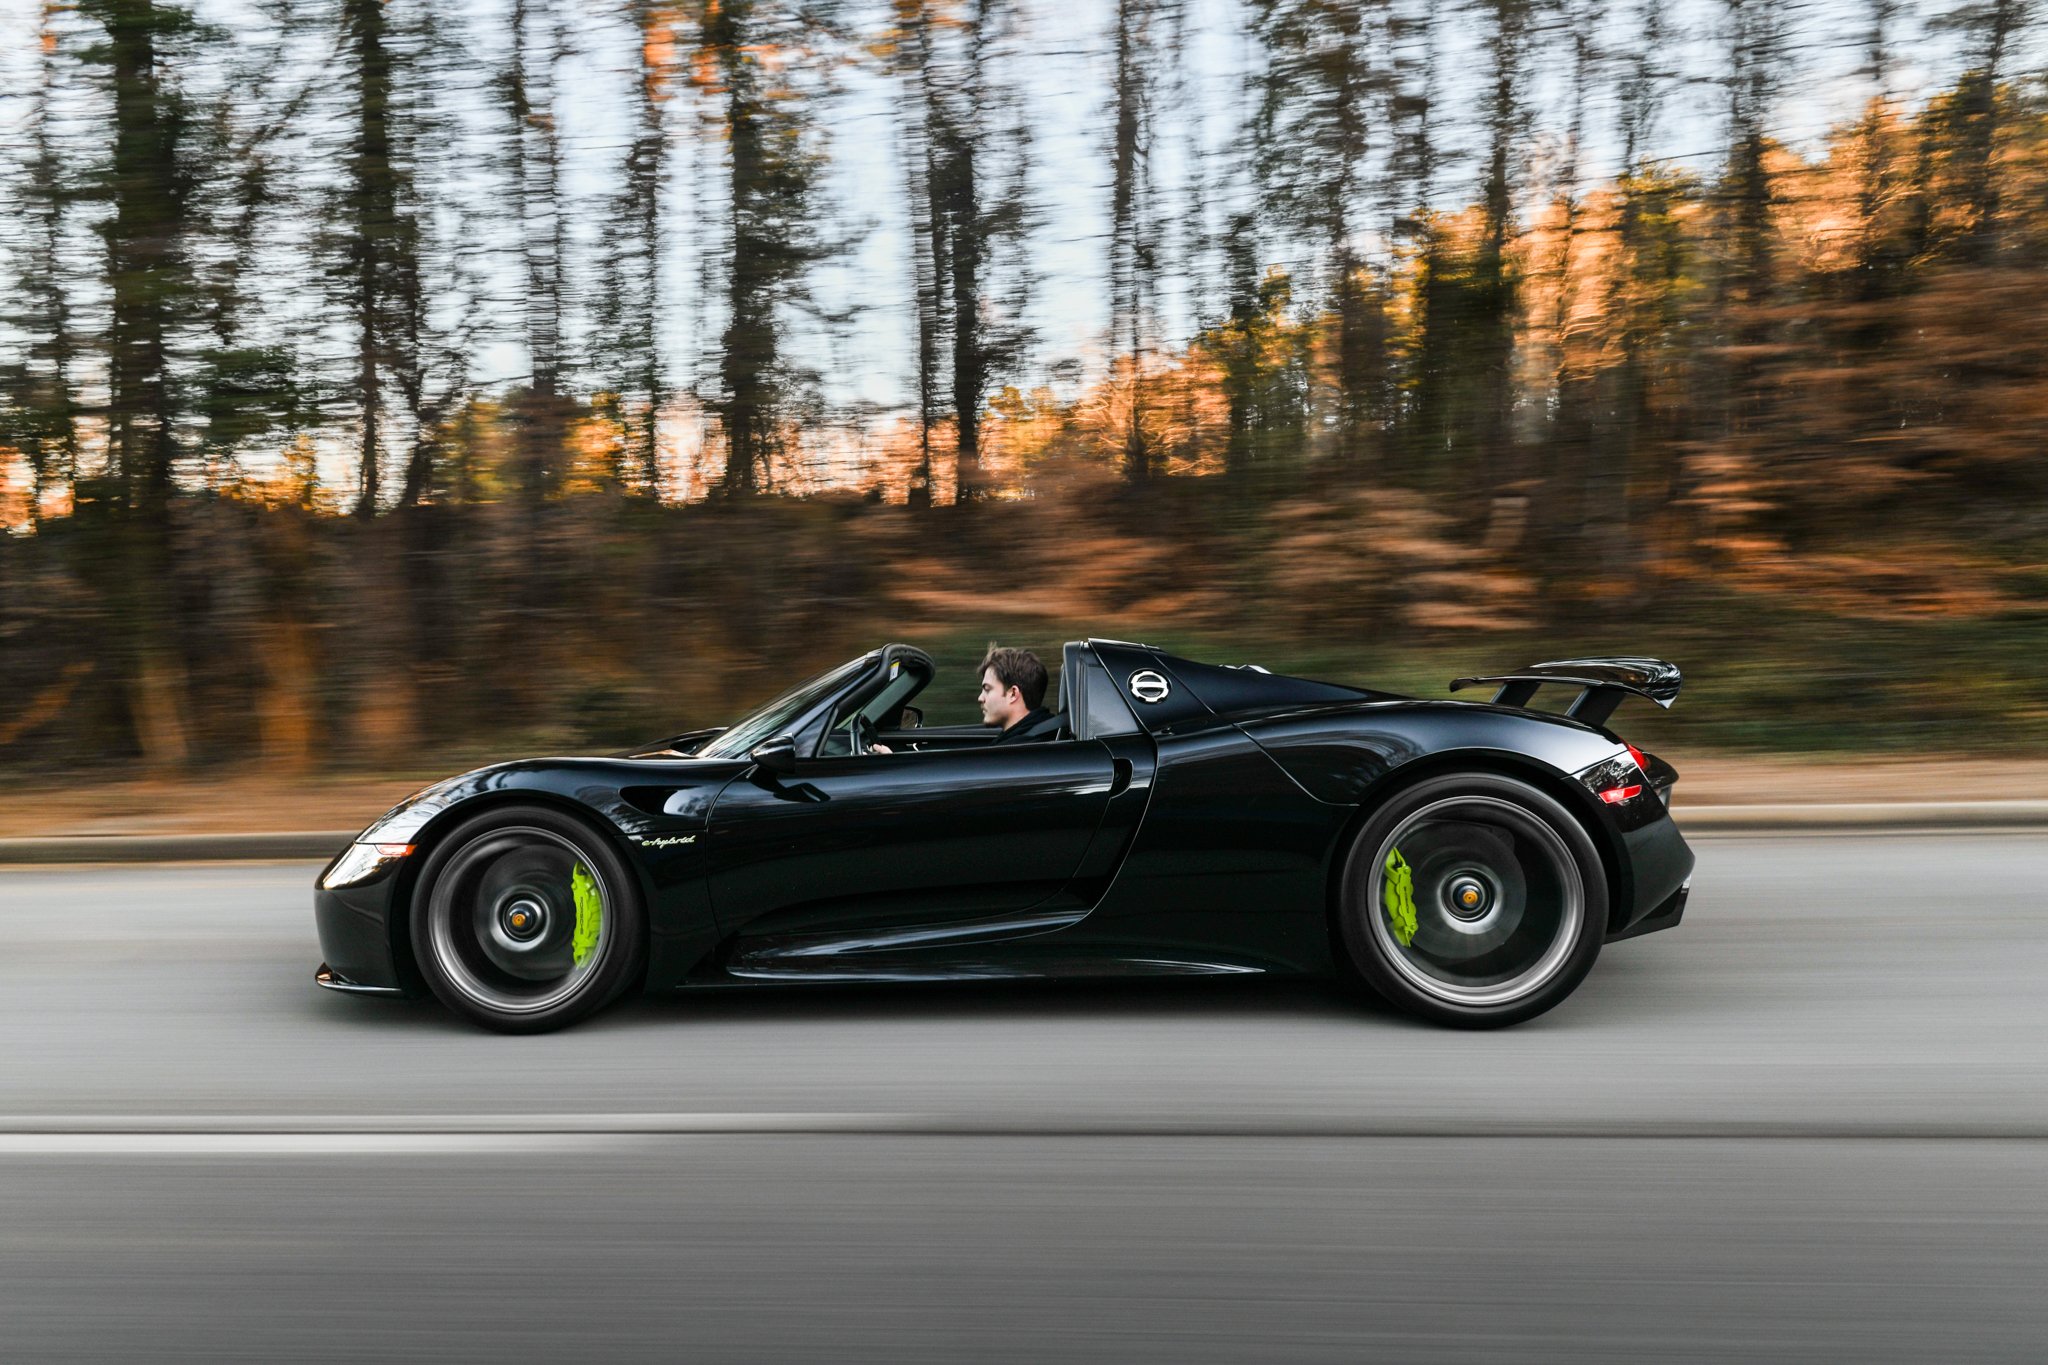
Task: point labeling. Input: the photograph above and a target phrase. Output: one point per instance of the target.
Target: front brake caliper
(1399, 896)
(589, 912)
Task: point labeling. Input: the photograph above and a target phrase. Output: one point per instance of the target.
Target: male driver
(1012, 688)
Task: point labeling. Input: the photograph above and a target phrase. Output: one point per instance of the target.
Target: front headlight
(362, 862)
(389, 837)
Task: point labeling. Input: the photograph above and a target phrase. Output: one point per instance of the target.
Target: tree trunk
(535, 175)
(645, 175)
(922, 116)
(749, 346)
(1977, 97)
(1130, 240)
(374, 224)
(1494, 285)
(970, 342)
(146, 267)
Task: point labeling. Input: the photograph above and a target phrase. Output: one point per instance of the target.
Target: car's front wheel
(1473, 899)
(525, 920)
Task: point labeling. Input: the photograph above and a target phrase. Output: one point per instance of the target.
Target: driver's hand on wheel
(880, 749)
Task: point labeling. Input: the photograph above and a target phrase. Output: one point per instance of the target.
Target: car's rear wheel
(526, 920)
(1473, 899)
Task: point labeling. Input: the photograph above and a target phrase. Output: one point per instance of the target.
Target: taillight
(1642, 763)
(1614, 796)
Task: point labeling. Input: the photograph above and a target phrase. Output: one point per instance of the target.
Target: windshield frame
(781, 715)
(898, 664)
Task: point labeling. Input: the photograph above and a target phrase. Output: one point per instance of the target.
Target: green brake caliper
(1399, 898)
(589, 912)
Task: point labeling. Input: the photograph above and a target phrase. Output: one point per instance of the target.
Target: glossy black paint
(909, 841)
(1191, 822)
(1663, 916)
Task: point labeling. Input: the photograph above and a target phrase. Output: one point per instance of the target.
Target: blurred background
(386, 384)
(390, 386)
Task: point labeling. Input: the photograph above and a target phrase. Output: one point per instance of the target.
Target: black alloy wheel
(1474, 900)
(526, 920)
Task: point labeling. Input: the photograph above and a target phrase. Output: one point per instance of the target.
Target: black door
(887, 850)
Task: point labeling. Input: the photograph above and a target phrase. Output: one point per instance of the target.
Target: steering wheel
(863, 734)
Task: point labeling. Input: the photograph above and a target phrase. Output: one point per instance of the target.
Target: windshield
(771, 719)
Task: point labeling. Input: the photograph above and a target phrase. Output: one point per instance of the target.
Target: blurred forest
(385, 380)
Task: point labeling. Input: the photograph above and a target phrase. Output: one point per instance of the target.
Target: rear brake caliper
(1399, 896)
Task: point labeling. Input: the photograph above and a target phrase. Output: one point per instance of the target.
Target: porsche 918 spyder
(1466, 860)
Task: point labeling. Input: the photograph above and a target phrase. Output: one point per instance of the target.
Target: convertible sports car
(1467, 860)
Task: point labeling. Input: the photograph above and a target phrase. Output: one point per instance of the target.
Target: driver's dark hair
(1018, 668)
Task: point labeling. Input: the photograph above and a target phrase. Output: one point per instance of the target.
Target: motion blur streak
(1183, 1173)
(883, 1249)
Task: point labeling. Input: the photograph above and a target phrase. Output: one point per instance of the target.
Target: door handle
(1120, 775)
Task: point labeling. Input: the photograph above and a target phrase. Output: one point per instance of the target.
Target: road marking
(417, 1134)
(396, 1134)
(285, 1144)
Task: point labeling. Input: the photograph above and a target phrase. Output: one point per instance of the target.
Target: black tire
(503, 925)
(1499, 917)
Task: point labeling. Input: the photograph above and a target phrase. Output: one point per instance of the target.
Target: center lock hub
(523, 918)
(1467, 897)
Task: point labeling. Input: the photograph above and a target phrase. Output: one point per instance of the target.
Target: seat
(1054, 726)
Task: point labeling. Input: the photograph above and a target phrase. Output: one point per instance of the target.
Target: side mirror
(912, 718)
(777, 756)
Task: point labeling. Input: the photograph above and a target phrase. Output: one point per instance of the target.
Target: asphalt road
(1813, 1120)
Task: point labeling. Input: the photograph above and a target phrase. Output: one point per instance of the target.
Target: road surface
(1812, 1120)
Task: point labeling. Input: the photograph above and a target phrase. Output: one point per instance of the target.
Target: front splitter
(335, 981)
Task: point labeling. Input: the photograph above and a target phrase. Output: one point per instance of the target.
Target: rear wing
(1604, 684)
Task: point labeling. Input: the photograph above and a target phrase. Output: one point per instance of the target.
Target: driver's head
(1012, 686)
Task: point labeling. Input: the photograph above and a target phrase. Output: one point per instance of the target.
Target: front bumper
(355, 925)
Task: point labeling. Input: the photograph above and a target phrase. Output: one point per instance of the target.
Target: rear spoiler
(1604, 684)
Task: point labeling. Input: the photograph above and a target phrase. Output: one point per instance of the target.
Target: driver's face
(999, 705)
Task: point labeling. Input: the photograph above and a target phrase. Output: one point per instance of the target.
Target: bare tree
(533, 168)
(39, 411)
(1134, 232)
(149, 185)
(1992, 25)
(630, 307)
(967, 155)
(1322, 92)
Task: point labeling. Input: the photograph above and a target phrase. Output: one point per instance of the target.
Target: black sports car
(1466, 859)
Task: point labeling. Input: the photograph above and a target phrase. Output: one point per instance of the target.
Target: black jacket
(1032, 727)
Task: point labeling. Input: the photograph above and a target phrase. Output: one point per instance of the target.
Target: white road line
(293, 1144)
(408, 1134)
(286, 1135)
(468, 1125)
